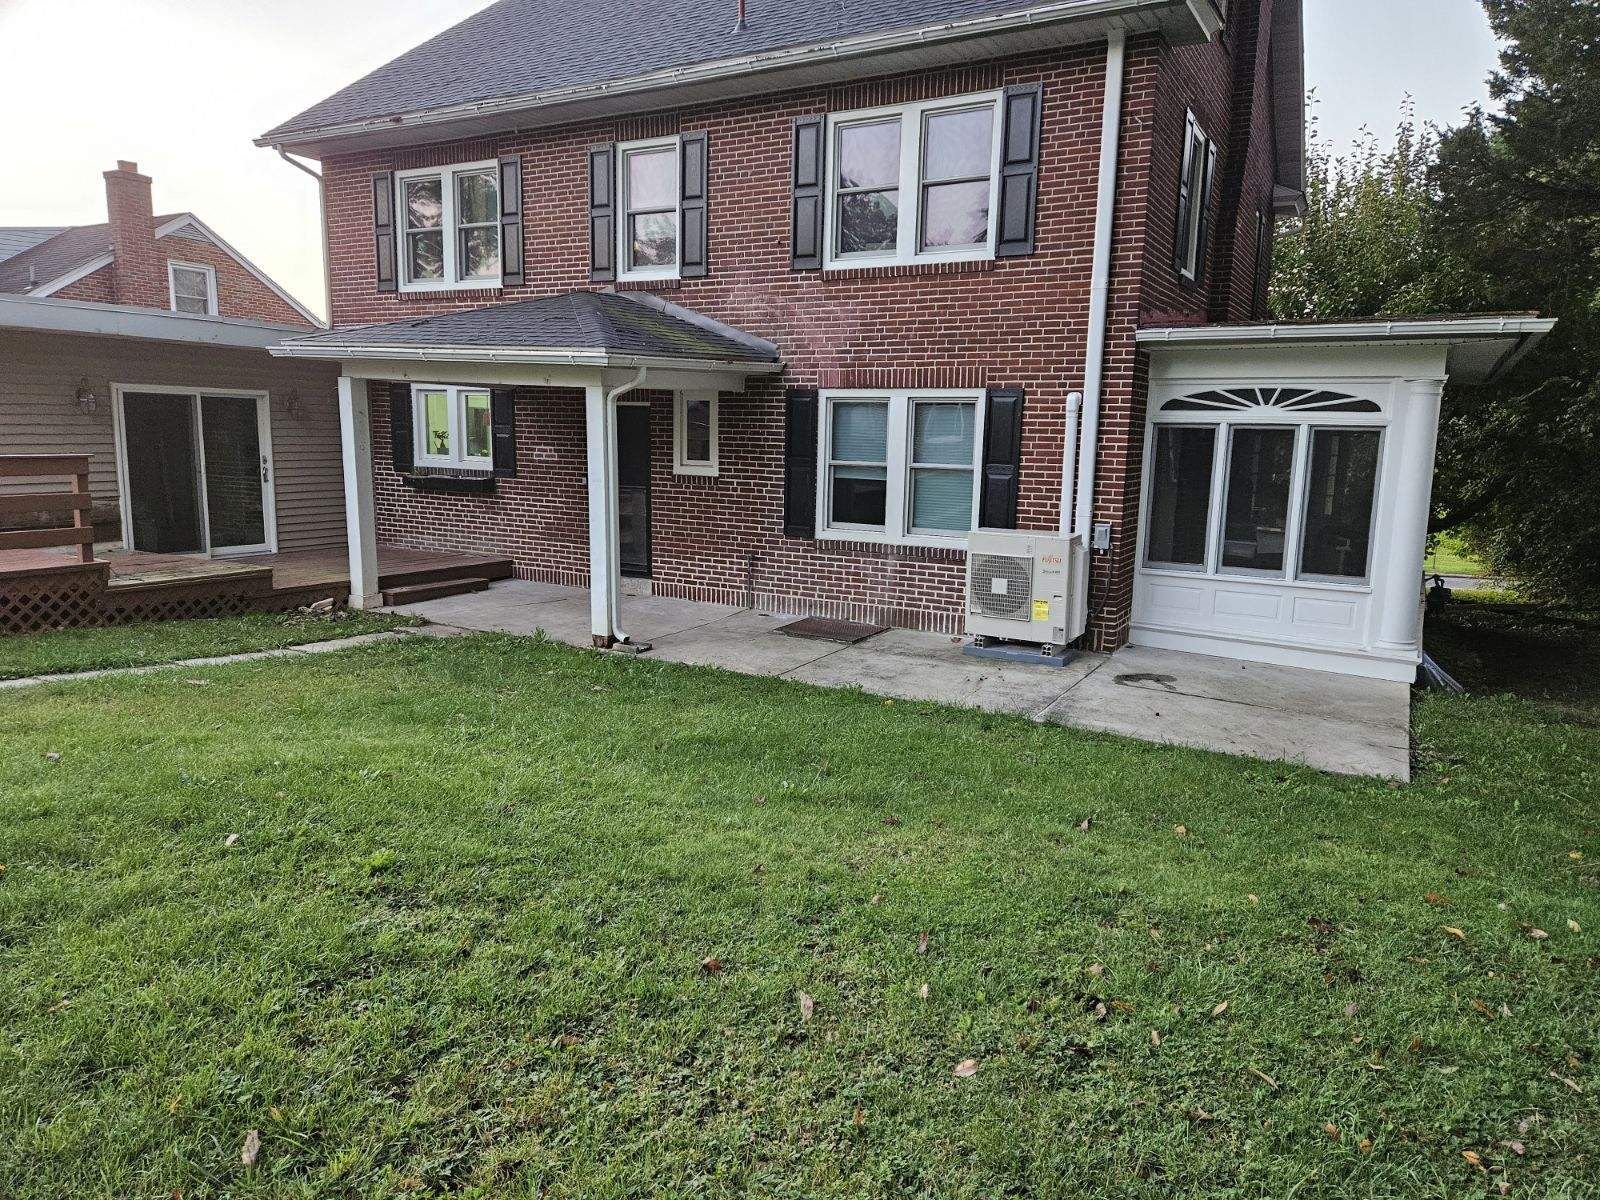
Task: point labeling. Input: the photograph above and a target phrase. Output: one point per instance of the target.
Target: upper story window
(1194, 198)
(913, 183)
(193, 288)
(648, 231)
(899, 466)
(450, 226)
(454, 427)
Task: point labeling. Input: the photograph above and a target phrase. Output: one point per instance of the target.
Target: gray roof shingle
(515, 47)
(15, 239)
(609, 321)
(55, 256)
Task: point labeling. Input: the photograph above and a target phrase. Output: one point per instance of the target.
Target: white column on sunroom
(605, 577)
(1399, 588)
(355, 441)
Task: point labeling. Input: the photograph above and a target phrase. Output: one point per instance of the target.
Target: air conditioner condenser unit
(1026, 587)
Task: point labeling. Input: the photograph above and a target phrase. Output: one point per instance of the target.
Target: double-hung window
(453, 427)
(649, 230)
(193, 288)
(917, 182)
(1194, 198)
(450, 227)
(899, 466)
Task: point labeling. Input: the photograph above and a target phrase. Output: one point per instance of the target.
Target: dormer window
(914, 183)
(649, 227)
(450, 222)
(193, 288)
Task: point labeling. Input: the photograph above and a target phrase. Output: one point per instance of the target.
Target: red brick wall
(239, 293)
(1015, 322)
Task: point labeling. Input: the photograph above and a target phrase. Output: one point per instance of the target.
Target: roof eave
(542, 356)
(1199, 16)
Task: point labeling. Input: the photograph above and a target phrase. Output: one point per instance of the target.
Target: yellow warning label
(1041, 610)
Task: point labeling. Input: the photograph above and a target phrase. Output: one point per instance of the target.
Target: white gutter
(532, 355)
(1099, 288)
(51, 315)
(1422, 329)
(857, 45)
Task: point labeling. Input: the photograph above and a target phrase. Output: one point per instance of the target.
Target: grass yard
(509, 920)
(171, 641)
(1448, 555)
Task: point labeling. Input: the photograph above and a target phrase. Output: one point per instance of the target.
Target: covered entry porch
(454, 383)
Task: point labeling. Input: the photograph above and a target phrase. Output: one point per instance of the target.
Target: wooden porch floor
(290, 571)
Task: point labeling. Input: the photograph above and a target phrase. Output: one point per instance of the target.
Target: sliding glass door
(197, 472)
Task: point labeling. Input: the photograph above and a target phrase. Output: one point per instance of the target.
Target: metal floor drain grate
(826, 629)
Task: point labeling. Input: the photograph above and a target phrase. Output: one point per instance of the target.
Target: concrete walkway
(1332, 722)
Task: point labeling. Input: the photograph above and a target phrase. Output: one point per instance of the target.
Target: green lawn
(509, 920)
(172, 641)
(1448, 555)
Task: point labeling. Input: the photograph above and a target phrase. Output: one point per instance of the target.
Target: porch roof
(601, 329)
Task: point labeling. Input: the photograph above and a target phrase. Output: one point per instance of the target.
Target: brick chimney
(138, 275)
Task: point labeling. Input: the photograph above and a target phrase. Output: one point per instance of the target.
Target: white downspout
(615, 589)
(1100, 287)
(1069, 448)
(322, 220)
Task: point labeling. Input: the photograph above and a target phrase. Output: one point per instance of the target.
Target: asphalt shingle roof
(514, 47)
(14, 239)
(571, 321)
(55, 256)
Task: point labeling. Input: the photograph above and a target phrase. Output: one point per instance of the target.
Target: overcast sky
(209, 75)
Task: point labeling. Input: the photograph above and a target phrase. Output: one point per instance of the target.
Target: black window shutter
(800, 463)
(692, 194)
(400, 435)
(805, 222)
(383, 229)
(603, 212)
(1002, 459)
(503, 420)
(1019, 170)
(1180, 251)
(511, 220)
(1204, 201)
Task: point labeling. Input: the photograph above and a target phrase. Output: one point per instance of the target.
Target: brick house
(781, 304)
(141, 342)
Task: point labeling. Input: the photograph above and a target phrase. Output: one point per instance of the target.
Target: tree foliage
(1499, 214)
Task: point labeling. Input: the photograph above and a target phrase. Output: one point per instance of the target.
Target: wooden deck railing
(76, 502)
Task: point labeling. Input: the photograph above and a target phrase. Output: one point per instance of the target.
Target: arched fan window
(1219, 400)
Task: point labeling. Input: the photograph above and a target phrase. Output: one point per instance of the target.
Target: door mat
(825, 629)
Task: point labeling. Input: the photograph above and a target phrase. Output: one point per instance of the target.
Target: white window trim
(1197, 147)
(682, 464)
(897, 505)
(912, 122)
(447, 223)
(1305, 425)
(457, 459)
(210, 272)
(625, 272)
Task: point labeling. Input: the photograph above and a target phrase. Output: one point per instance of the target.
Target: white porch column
(355, 441)
(604, 567)
(1399, 590)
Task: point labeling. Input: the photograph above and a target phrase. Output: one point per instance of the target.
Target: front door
(633, 488)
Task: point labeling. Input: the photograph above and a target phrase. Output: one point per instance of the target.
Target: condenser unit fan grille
(1002, 587)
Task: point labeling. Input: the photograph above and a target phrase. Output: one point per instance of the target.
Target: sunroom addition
(1287, 485)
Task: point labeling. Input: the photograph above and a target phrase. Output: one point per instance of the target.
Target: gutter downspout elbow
(611, 399)
(322, 219)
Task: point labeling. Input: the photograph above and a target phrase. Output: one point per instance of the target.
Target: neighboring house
(775, 306)
(141, 342)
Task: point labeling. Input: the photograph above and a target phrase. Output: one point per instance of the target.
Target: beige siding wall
(40, 374)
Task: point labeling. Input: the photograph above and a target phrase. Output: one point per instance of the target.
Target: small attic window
(193, 287)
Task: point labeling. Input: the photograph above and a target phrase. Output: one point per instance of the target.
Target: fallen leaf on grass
(1503, 1187)
(877, 898)
(1200, 1116)
(1366, 1145)
(1437, 899)
(1575, 855)
(1416, 1045)
(1478, 1006)
(1083, 826)
(1573, 926)
(231, 840)
(1460, 935)
(175, 1103)
(1568, 1082)
(53, 756)
(1515, 1147)
(1351, 1009)
(1265, 1078)
(569, 1040)
(922, 992)
(1181, 830)
(275, 1113)
(1155, 1037)
(252, 1148)
(1096, 969)
(1537, 935)
(860, 1118)
(1253, 898)
(711, 965)
(807, 1007)
(891, 820)
(1332, 1131)
(965, 1069)
(60, 1005)
(922, 942)
(1220, 1009)
(1473, 1157)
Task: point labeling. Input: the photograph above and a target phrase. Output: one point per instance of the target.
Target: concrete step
(416, 593)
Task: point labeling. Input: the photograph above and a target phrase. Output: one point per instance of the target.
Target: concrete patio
(1331, 722)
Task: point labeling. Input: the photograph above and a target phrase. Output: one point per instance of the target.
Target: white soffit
(1480, 348)
(41, 314)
